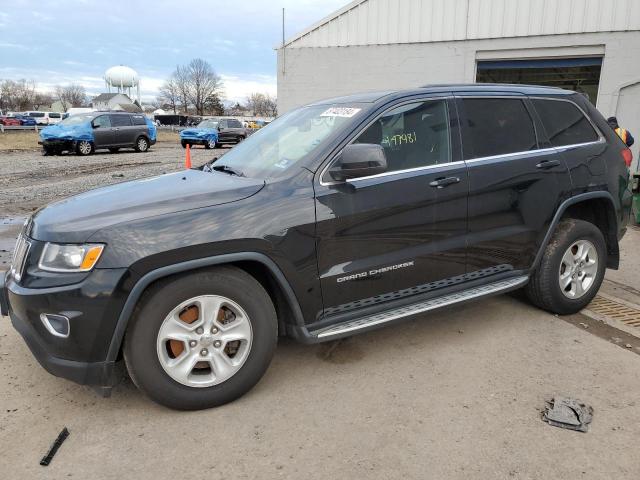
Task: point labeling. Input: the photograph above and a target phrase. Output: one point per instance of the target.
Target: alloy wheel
(204, 341)
(84, 147)
(578, 269)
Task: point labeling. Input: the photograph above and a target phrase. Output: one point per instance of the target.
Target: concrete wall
(309, 74)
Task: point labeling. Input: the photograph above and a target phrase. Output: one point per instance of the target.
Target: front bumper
(58, 144)
(82, 357)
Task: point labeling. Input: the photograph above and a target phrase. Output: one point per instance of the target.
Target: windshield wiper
(228, 169)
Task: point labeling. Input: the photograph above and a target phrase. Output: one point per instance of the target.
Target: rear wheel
(84, 147)
(571, 270)
(201, 340)
(142, 144)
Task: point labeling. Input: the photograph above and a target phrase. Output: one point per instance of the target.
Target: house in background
(115, 101)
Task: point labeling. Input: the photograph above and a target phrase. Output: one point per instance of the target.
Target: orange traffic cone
(187, 157)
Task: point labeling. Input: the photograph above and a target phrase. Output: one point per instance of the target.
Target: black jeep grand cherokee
(339, 217)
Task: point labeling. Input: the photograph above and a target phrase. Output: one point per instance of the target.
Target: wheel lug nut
(199, 330)
(193, 343)
(217, 343)
(214, 330)
(204, 352)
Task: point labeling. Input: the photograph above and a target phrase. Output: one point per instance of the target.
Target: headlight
(69, 258)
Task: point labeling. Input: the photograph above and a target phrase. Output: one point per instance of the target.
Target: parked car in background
(205, 133)
(86, 132)
(230, 131)
(25, 120)
(45, 118)
(9, 121)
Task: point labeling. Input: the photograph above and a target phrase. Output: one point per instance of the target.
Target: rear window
(54, 115)
(36, 114)
(564, 122)
(496, 126)
(138, 120)
(120, 121)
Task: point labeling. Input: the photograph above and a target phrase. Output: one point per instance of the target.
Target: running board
(420, 307)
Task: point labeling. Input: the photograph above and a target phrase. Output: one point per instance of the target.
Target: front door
(102, 133)
(516, 181)
(402, 232)
(124, 133)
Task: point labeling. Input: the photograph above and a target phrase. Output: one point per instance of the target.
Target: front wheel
(201, 340)
(211, 143)
(84, 147)
(184, 143)
(571, 270)
(142, 144)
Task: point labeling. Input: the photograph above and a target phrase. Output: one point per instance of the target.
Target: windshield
(279, 146)
(208, 124)
(76, 119)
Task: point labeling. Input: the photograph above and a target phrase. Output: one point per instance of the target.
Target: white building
(586, 45)
(115, 101)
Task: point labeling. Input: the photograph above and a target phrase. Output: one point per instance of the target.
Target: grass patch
(19, 141)
(168, 136)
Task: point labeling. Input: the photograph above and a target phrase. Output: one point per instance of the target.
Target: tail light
(627, 156)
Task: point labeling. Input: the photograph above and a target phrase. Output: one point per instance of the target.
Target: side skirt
(379, 319)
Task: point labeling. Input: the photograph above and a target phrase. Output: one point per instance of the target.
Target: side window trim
(550, 148)
(354, 136)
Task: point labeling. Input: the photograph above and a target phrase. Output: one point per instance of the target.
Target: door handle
(545, 164)
(444, 182)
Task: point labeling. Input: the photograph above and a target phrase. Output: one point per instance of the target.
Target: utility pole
(284, 58)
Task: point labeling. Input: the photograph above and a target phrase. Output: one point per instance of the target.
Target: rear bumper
(79, 357)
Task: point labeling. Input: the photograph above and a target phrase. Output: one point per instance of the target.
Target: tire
(114, 149)
(47, 151)
(148, 354)
(210, 144)
(84, 148)
(239, 139)
(184, 143)
(572, 239)
(142, 144)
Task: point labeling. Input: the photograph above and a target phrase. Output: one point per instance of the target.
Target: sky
(74, 41)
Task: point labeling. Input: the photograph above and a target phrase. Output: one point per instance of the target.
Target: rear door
(515, 181)
(123, 130)
(402, 232)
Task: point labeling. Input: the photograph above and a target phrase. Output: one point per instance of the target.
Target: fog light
(57, 325)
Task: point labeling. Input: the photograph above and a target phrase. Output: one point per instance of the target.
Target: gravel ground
(28, 180)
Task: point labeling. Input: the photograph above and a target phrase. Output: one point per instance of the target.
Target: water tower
(122, 79)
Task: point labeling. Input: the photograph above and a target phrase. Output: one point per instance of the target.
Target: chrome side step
(425, 306)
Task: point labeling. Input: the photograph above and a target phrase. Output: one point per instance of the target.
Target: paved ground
(455, 394)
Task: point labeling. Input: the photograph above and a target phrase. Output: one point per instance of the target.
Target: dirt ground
(455, 394)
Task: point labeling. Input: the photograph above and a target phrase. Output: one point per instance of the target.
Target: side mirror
(94, 125)
(359, 160)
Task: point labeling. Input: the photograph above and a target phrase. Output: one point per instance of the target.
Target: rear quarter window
(564, 122)
(54, 115)
(138, 120)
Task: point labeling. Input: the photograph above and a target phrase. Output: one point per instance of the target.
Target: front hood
(194, 132)
(75, 219)
(66, 132)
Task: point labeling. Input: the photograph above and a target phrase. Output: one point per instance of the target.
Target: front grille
(20, 257)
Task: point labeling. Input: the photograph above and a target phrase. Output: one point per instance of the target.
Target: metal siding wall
(415, 21)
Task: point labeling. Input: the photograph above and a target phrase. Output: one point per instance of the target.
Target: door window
(234, 123)
(120, 121)
(102, 121)
(412, 135)
(496, 126)
(564, 122)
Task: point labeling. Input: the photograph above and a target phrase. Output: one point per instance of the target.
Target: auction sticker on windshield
(340, 112)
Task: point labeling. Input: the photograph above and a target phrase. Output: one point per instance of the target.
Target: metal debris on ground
(62, 436)
(568, 413)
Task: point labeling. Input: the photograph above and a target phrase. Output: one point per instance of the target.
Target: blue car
(26, 121)
(205, 133)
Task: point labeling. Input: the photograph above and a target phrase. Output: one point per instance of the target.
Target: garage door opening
(579, 74)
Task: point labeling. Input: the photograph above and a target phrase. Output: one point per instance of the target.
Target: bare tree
(70, 96)
(41, 99)
(181, 79)
(261, 104)
(20, 95)
(204, 85)
(170, 94)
